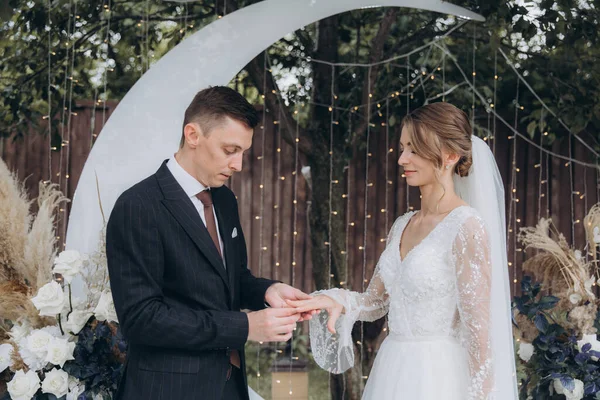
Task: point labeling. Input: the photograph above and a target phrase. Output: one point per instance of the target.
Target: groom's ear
(191, 134)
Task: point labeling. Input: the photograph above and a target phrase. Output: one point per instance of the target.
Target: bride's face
(418, 171)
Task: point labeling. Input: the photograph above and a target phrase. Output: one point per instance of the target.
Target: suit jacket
(178, 306)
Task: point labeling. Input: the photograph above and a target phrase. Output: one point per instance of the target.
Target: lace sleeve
(335, 353)
(471, 253)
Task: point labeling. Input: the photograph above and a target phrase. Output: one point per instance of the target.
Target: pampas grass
(27, 249)
(563, 273)
(559, 259)
(545, 269)
(40, 247)
(14, 225)
(15, 304)
(17, 361)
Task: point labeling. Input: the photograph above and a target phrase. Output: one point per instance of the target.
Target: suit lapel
(225, 229)
(183, 210)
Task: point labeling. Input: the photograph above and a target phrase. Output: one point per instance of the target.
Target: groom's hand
(272, 324)
(278, 295)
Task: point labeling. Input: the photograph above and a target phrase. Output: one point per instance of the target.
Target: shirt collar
(190, 185)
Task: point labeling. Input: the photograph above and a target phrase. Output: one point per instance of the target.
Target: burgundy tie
(206, 198)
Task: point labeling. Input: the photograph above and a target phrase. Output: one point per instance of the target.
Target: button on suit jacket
(178, 306)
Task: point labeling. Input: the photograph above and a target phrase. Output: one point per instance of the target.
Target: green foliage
(553, 43)
(92, 43)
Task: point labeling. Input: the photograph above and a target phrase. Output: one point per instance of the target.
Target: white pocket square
(234, 233)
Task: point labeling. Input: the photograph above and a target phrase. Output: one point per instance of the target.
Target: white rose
(71, 257)
(56, 382)
(6, 351)
(19, 331)
(30, 359)
(23, 385)
(60, 351)
(526, 350)
(68, 264)
(575, 394)
(575, 298)
(68, 257)
(50, 299)
(105, 310)
(77, 320)
(74, 303)
(38, 341)
(591, 339)
(78, 303)
(34, 347)
(75, 388)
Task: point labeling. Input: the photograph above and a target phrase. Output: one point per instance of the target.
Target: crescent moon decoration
(145, 127)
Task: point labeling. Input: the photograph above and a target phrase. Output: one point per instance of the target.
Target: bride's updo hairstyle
(440, 126)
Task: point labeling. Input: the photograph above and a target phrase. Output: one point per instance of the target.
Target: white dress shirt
(192, 187)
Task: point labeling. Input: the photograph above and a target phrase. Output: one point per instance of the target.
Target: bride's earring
(447, 167)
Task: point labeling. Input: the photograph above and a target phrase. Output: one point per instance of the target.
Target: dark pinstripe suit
(177, 305)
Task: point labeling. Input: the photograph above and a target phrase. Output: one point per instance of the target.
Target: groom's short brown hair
(210, 107)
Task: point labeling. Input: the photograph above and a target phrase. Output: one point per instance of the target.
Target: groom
(179, 269)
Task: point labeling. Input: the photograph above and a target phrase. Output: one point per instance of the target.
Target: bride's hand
(317, 303)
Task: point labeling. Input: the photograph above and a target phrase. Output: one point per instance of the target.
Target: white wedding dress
(438, 303)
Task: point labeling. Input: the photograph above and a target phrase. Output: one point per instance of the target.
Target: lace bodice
(441, 288)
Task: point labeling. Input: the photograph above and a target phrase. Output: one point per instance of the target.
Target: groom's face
(219, 154)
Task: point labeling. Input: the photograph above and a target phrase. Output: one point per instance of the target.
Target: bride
(442, 278)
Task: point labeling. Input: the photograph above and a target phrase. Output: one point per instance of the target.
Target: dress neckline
(402, 259)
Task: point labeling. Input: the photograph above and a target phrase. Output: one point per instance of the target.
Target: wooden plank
(29, 157)
(271, 185)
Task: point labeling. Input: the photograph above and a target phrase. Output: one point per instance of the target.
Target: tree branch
(375, 55)
(485, 40)
(422, 33)
(256, 72)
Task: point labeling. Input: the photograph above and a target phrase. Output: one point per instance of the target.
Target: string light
(48, 117)
(387, 162)
(572, 190)
(349, 171)
(548, 109)
(473, 84)
(65, 96)
(513, 184)
(523, 137)
(331, 132)
(261, 158)
(146, 43)
(408, 97)
(366, 206)
(585, 202)
(277, 245)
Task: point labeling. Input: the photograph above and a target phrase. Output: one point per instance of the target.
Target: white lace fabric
(471, 255)
(440, 289)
